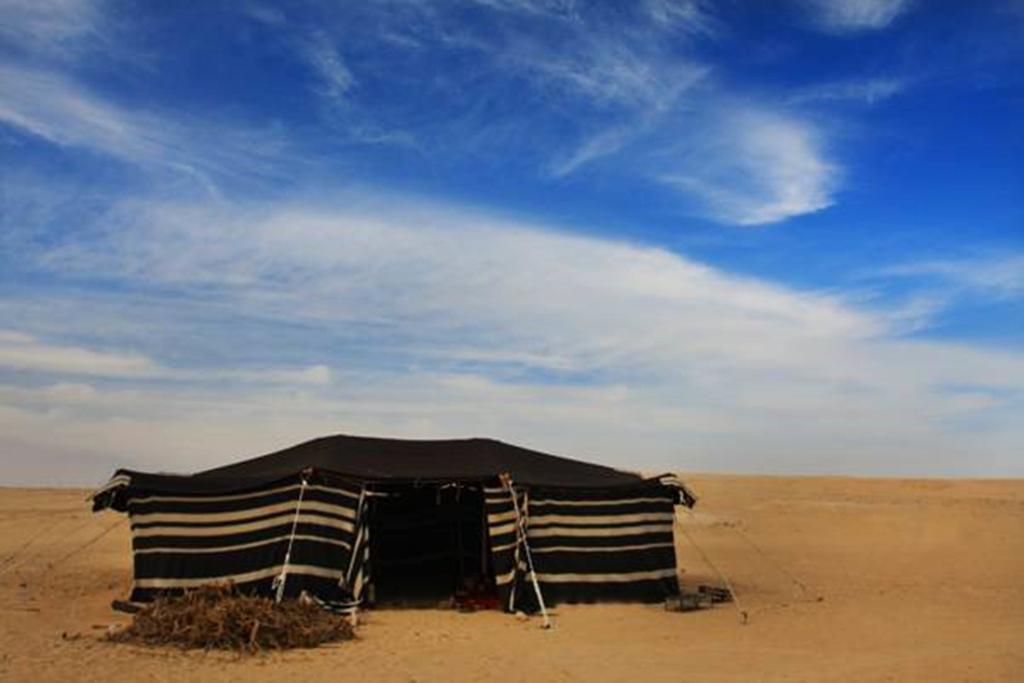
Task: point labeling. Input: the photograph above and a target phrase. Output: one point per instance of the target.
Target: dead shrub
(220, 618)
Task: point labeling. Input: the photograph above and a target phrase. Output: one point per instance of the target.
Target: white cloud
(264, 14)
(56, 28)
(856, 15)
(602, 144)
(534, 7)
(653, 114)
(1000, 275)
(756, 167)
(397, 267)
(606, 73)
(325, 59)
(688, 16)
(396, 317)
(27, 353)
(869, 91)
(23, 352)
(56, 109)
(320, 375)
(633, 88)
(460, 323)
(742, 162)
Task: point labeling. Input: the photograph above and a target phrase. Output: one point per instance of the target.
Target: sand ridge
(919, 580)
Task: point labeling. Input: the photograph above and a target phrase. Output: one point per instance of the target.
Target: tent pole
(484, 541)
(459, 541)
(280, 579)
(521, 533)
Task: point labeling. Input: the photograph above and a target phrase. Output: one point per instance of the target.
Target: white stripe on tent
(609, 531)
(624, 577)
(599, 549)
(200, 498)
(115, 482)
(503, 529)
(602, 520)
(255, 575)
(280, 520)
(502, 579)
(609, 501)
(242, 546)
(499, 517)
(239, 515)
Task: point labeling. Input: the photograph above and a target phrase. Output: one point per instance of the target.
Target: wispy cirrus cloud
(602, 144)
(856, 15)
(630, 93)
(54, 108)
(52, 28)
(335, 78)
(21, 351)
(862, 90)
(524, 332)
(686, 16)
(237, 322)
(999, 275)
(28, 353)
(744, 164)
(756, 167)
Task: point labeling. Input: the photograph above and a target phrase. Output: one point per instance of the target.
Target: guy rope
(741, 613)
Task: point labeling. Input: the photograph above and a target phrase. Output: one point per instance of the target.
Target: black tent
(355, 519)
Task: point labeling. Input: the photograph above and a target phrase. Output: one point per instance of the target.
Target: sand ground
(919, 581)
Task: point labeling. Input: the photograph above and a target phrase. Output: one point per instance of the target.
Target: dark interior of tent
(429, 544)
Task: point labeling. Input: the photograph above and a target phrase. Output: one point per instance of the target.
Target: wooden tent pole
(280, 579)
(521, 533)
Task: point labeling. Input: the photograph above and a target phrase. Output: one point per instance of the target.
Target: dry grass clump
(219, 617)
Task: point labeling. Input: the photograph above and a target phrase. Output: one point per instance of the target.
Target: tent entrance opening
(428, 544)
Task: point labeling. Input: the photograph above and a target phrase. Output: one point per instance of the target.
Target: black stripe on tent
(243, 520)
(602, 541)
(503, 563)
(597, 523)
(503, 539)
(650, 590)
(654, 490)
(184, 541)
(647, 559)
(610, 509)
(200, 504)
(228, 563)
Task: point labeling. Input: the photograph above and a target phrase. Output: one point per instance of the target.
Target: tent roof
(376, 459)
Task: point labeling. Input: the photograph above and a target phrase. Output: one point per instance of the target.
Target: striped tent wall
(181, 541)
(586, 545)
(589, 546)
(506, 555)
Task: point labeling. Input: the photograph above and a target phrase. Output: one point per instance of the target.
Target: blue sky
(758, 237)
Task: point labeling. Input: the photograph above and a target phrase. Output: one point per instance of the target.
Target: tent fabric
(593, 533)
(585, 545)
(369, 459)
(183, 541)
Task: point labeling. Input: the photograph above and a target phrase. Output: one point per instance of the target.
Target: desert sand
(906, 580)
